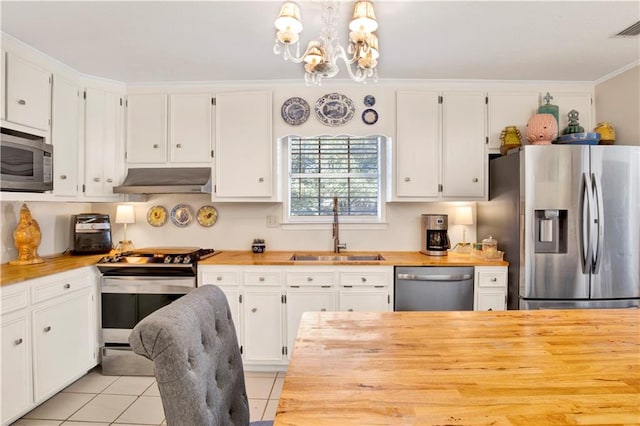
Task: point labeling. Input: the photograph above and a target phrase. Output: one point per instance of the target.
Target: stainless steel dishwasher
(433, 288)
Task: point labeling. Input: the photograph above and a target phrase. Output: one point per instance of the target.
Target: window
(324, 168)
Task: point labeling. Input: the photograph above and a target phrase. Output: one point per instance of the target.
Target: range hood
(191, 180)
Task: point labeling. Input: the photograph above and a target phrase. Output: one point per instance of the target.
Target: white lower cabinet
(490, 292)
(263, 325)
(49, 337)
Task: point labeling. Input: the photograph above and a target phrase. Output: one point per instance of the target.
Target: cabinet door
(364, 300)
(300, 301)
(16, 365)
(262, 323)
(64, 136)
(464, 159)
(63, 342)
(147, 128)
(103, 124)
(491, 299)
(190, 128)
(581, 102)
(417, 154)
(28, 93)
(244, 146)
(510, 109)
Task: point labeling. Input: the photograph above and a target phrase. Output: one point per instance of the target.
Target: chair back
(193, 345)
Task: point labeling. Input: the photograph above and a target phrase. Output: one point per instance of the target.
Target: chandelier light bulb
(289, 18)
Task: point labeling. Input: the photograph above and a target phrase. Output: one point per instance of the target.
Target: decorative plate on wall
(334, 109)
(181, 215)
(157, 216)
(207, 216)
(295, 111)
(369, 116)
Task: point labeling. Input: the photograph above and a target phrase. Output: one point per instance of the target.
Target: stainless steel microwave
(26, 162)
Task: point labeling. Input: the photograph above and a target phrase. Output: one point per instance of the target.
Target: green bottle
(547, 108)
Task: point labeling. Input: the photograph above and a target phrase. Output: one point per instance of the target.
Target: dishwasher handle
(452, 277)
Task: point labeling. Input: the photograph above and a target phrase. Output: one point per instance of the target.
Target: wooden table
(464, 368)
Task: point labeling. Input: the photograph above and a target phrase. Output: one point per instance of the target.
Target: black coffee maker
(435, 240)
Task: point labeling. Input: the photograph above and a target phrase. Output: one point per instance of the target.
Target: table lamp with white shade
(464, 217)
(125, 214)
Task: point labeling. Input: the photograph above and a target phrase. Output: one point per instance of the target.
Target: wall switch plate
(273, 222)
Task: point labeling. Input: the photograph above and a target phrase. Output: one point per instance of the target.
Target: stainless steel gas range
(134, 284)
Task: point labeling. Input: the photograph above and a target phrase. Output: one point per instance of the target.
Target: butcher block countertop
(11, 274)
(547, 367)
(400, 258)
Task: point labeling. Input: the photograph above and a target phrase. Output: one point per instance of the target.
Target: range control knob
(167, 259)
(177, 259)
(187, 259)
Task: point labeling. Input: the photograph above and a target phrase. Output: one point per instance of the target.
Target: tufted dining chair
(193, 345)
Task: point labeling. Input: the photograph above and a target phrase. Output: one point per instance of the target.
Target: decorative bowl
(590, 138)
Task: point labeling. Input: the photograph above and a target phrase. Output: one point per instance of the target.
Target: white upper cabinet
(147, 128)
(28, 93)
(244, 153)
(464, 159)
(417, 155)
(440, 151)
(104, 164)
(167, 129)
(64, 135)
(510, 109)
(190, 128)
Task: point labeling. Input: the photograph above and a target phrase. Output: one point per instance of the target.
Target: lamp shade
(125, 214)
(464, 216)
(364, 17)
(289, 18)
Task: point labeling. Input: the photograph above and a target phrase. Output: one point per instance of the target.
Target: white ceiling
(161, 41)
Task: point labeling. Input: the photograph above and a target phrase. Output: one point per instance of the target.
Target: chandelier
(321, 55)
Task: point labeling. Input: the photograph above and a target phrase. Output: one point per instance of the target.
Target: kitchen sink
(337, 258)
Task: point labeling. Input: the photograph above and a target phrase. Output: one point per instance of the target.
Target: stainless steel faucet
(337, 245)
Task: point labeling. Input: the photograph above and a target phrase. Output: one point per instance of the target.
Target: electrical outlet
(273, 222)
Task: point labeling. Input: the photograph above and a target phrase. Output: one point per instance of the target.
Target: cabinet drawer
(262, 278)
(57, 285)
(14, 297)
(492, 279)
(220, 278)
(364, 278)
(311, 278)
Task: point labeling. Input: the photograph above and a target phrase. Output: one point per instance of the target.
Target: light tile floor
(97, 400)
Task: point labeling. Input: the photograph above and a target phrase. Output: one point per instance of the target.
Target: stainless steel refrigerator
(568, 219)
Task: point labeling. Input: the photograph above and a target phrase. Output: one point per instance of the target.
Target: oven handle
(148, 285)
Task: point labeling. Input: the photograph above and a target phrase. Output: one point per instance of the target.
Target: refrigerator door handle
(586, 248)
(599, 220)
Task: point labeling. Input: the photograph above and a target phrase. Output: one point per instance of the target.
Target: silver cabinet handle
(494, 279)
(218, 278)
(474, 179)
(156, 146)
(63, 177)
(17, 341)
(261, 179)
(67, 286)
(96, 179)
(254, 310)
(416, 277)
(109, 180)
(490, 309)
(47, 329)
(350, 310)
(178, 145)
(309, 279)
(407, 179)
(323, 309)
(261, 279)
(364, 280)
(22, 102)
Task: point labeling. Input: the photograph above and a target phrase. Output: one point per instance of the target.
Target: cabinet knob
(96, 179)
(156, 146)
(494, 279)
(323, 309)
(218, 278)
(63, 177)
(309, 279)
(261, 279)
(109, 180)
(490, 309)
(178, 145)
(67, 286)
(17, 341)
(47, 329)
(350, 309)
(407, 179)
(261, 179)
(364, 280)
(254, 310)
(22, 102)
(475, 179)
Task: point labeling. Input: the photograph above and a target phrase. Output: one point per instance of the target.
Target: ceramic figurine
(27, 239)
(574, 126)
(541, 129)
(607, 133)
(510, 138)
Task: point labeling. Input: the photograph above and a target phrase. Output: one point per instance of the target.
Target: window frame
(368, 221)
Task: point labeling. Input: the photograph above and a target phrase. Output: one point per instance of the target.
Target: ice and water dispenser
(551, 231)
